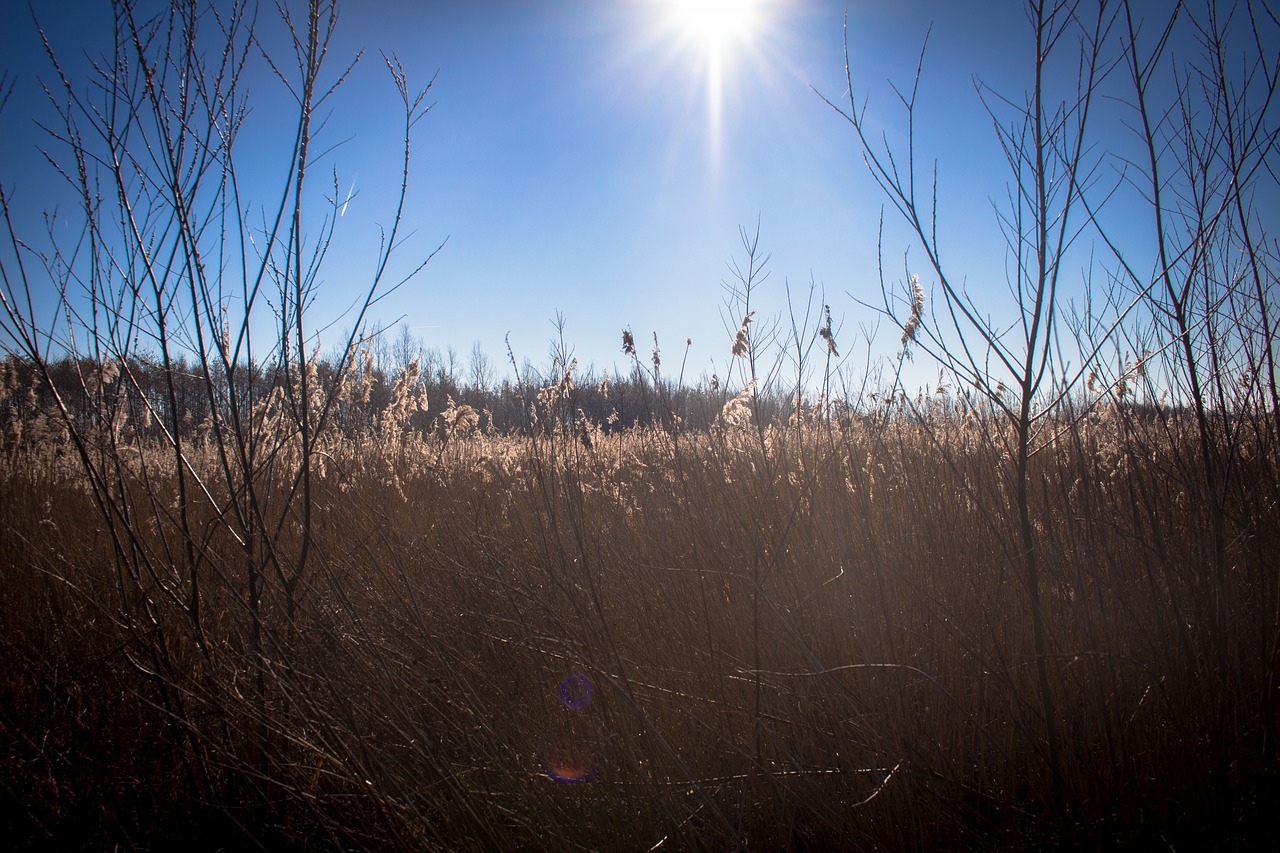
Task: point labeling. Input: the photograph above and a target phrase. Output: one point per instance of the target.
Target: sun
(715, 22)
(724, 30)
(720, 49)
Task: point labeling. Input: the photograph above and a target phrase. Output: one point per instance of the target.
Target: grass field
(804, 636)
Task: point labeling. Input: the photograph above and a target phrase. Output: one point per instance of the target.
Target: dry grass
(805, 637)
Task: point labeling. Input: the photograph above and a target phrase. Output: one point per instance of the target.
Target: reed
(801, 642)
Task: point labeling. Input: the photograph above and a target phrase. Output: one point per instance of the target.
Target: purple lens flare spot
(576, 691)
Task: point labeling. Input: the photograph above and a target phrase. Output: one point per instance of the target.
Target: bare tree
(1045, 138)
(176, 258)
(1207, 160)
(481, 372)
(406, 349)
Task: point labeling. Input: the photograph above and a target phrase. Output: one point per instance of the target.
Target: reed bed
(810, 635)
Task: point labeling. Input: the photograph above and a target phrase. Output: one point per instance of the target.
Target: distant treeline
(146, 397)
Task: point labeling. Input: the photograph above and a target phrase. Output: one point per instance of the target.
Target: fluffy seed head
(741, 341)
(917, 311)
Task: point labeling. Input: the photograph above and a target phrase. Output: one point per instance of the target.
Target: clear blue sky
(573, 161)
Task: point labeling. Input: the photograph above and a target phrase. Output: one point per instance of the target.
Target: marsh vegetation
(251, 593)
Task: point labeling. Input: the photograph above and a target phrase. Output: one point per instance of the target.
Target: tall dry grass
(804, 636)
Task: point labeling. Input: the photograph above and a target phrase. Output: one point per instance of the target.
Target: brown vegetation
(810, 640)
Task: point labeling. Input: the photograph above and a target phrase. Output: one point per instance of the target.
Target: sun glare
(715, 22)
(724, 33)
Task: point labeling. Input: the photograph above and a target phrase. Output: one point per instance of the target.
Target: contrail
(350, 192)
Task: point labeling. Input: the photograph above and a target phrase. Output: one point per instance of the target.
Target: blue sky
(573, 165)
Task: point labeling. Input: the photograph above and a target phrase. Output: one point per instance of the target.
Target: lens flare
(723, 30)
(576, 691)
(568, 764)
(571, 756)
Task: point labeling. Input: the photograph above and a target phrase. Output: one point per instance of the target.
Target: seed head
(737, 412)
(741, 341)
(826, 334)
(917, 311)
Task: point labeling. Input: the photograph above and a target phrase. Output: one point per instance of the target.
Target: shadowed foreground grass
(805, 637)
